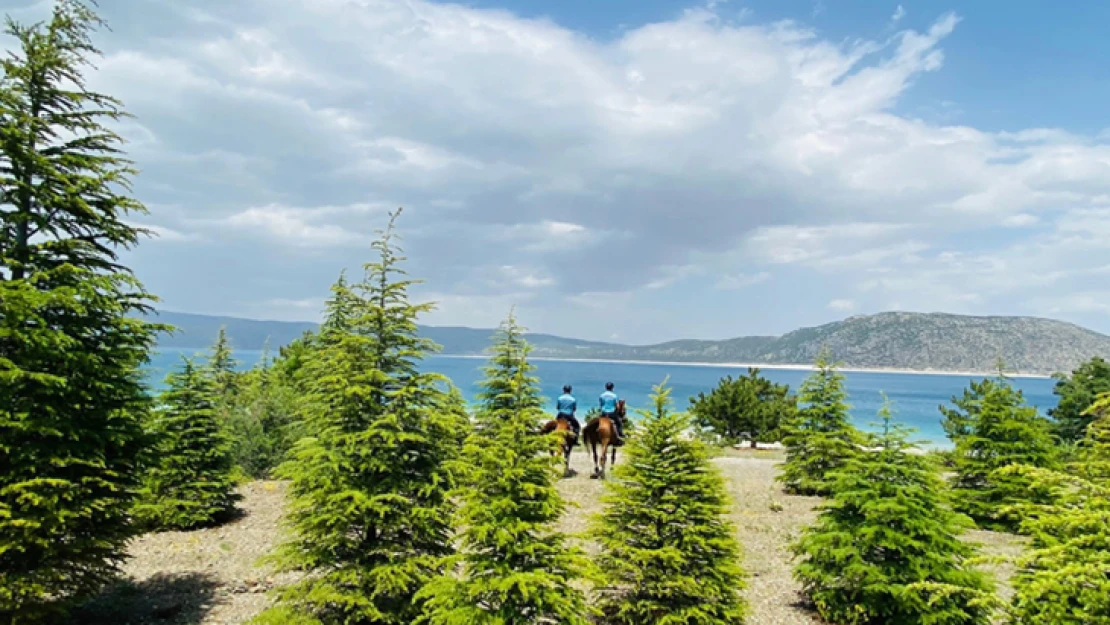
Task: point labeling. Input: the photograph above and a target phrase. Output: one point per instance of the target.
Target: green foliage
(71, 343)
(996, 430)
(751, 406)
(886, 547)
(1064, 579)
(190, 483)
(222, 365)
(263, 413)
(369, 482)
(513, 568)
(1077, 393)
(667, 546)
(819, 439)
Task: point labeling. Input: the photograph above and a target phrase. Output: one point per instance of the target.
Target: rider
(608, 401)
(565, 407)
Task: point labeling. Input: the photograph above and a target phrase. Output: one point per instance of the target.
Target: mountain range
(891, 340)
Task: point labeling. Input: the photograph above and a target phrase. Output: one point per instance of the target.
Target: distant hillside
(199, 331)
(895, 340)
(936, 342)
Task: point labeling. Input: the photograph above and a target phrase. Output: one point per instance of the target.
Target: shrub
(751, 406)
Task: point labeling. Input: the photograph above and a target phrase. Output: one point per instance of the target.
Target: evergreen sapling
(369, 514)
(819, 439)
(667, 546)
(190, 485)
(513, 567)
(1064, 578)
(886, 547)
(1000, 430)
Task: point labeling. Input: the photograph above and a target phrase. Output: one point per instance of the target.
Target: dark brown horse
(601, 432)
(562, 426)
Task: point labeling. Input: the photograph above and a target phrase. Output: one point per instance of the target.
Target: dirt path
(213, 577)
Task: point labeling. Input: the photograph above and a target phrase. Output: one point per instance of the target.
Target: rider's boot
(618, 427)
(577, 429)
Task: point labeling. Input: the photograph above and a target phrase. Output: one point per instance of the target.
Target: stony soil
(214, 577)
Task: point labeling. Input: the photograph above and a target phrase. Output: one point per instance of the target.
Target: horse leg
(604, 451)
(593, 450)
(566, 455)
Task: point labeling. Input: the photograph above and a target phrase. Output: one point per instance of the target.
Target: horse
(562, 425)
(601, 432)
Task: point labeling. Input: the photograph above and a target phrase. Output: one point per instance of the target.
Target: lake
(915, 397)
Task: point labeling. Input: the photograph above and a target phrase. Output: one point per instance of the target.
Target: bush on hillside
(668, 549)
(369, 511)
(886, 547)
(512, 566)
(819, 439)
(749, 407)
(190, 482)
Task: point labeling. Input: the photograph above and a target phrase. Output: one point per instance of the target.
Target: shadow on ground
(159, 600)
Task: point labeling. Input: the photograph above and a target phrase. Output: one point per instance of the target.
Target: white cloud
(600, 169)
(742, 281)
(1021, 220)
(842, 305)
(899, 13)
(295, 226)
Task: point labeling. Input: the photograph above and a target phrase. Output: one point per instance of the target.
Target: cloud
(742, 281)
(686, 158)
(899, 13)
(842, 305)
(297, 226)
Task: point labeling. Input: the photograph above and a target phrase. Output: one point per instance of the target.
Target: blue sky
(636, 171)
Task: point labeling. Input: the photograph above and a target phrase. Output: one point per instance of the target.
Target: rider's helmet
(608, 386)
(566, 388)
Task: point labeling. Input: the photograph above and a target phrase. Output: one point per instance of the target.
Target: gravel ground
(213, 577)
(205, 577)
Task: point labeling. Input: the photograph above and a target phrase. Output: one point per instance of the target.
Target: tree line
(408, 506)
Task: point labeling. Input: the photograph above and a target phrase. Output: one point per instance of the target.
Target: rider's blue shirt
(566, 404)
(608, 401)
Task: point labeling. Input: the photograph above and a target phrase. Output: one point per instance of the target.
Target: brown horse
(561, 425)
(601, 432)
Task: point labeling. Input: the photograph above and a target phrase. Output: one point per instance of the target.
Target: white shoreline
(738, 365)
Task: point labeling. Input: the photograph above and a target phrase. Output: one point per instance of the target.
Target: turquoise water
(915, 397)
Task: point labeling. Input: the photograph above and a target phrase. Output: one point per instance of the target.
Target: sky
(634, 171)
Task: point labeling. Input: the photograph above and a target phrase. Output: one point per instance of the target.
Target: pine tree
(666, 544)
(1002, 431)
(223, 366)
(1092, 461)
(819, 439)
(1077, 392)
(71, 335)
(190, 485)
(513, 567)
(1064, 579)
(886, 546)
(369, 512)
